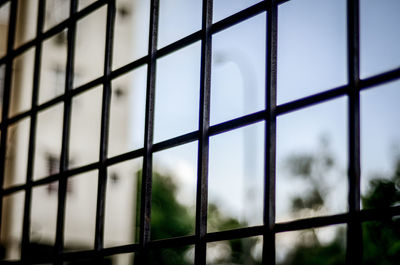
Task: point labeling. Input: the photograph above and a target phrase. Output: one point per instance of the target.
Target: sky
(311, 59)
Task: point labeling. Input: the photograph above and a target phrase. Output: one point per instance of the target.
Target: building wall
(84, 138)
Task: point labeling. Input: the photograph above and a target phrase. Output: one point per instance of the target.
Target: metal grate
(353, 218)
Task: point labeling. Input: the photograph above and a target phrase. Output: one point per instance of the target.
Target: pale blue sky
(311, 59)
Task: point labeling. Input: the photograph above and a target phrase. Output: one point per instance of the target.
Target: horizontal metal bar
(237, 123)
(52, 178)
(311, 100)
(311, 223)
(235, 234)
(124, 157)
(129, 67)
(307, 223)
(120, 250)
(184, 42)
(364, 215)
(173, 242)
(379, 214)
(380, 79)
(241, 16)
(180, 140)
(78, 255)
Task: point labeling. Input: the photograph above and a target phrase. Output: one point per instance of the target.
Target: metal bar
(129, 67)
(62, 186)
(237, 123)
(105, 120)
(120, 249)
(145, 203)
(380, 79)
(6, 98)
(311, 100)
(204, 124)
(176, 141)
(386, 213)
(354, 233)
(242, 15)
(270, 133)
(124, 157)
(52, 178)
(32, 135)
(313, 222)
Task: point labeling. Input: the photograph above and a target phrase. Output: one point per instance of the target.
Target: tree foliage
(381, 239)
(170, 218)
(312, 169)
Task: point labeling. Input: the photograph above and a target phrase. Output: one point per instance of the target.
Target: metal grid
(353, 218)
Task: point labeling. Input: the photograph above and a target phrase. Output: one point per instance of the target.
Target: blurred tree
(381, 240)
(311, 169)
(170, 218)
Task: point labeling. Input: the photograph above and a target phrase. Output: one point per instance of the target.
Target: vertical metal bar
(105, 119)
(32, 132)
(204, 124)
(145, 201)
(270, 133)
(354, 233)
(62, 187)
(6, 96)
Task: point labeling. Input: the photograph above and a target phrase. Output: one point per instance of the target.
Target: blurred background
(312, 143)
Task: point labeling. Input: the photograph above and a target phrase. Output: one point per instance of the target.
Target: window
(194, 135)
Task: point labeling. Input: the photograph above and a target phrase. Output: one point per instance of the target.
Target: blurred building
(84, 135)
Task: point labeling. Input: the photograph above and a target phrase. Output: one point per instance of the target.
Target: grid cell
(175, 24)
(26, 21)
(48, 142)
(89, 49)
(128, 102)
(122, 203)
(85, 128)
(17, 153)
(11, 225)
(236, 179)
(80, 211)
(238, 70)
(22, 82)
(53, 67)
(311, 177)
(177, 95)
(173, 192)
(311, 48)
(380, 148)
